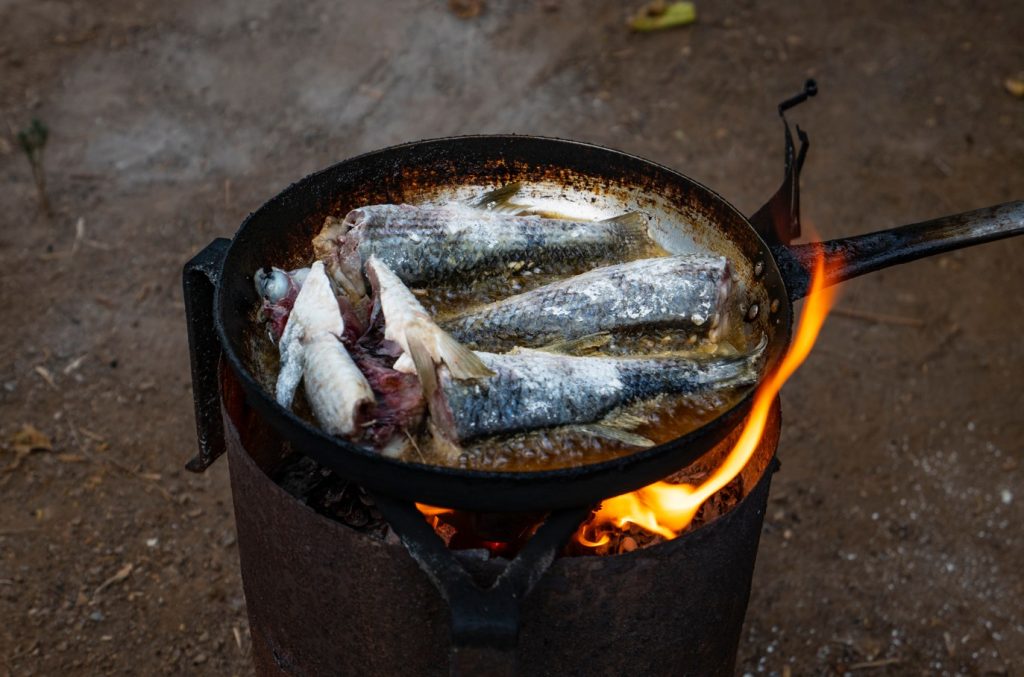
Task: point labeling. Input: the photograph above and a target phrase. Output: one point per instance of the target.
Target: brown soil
(893, 533)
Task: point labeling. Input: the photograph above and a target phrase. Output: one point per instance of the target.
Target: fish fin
(623, 419)
(441, 426)
(354, 292)
(582, 343)
(404, 364)
(396, 447)
(462, 362)
(631, 223)
(499, 199)
(441, 443)
(439, 346)
(426, 370)
(616, 434)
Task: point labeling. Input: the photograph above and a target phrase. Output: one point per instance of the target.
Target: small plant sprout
(32, 140)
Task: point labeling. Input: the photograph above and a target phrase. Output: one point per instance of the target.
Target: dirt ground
(893, 538)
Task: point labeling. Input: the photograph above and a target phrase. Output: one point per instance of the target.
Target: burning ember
(667, 509)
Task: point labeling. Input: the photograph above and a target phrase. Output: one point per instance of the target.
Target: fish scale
(423, 243)
(688, 292)
(532, 389)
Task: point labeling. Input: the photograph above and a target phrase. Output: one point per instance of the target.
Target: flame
(433, 513)
(581, 536)
(666, 509)
(432, 510)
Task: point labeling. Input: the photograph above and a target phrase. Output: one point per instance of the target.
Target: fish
(426, 243)
(312, 352)
(688, 292)
(407, 324)
(535, 389)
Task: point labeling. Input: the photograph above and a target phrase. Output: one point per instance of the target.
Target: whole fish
(687, 292)
(422, 243)
(312, 352)
(534, 389)
(408, 324)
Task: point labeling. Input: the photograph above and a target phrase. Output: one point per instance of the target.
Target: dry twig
(871, 665)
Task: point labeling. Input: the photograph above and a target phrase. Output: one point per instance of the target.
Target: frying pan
(575, 177)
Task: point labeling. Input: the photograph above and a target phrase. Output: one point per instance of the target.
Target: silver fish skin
(687, 292)
(423, 243)
(533, 389)
(312, 352)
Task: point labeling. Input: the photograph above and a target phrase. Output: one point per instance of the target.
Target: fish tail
(632, 225)
(438, 346)
(426, 370)
(499, 199)
(441, 423)
(615, 434)
(462, 362)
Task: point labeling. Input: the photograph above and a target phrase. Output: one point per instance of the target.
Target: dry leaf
(122, 573)
(45, 374)
(466, 9)
(30, 439)
(24, 442)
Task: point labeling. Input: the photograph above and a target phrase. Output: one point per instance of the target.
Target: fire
(433, 513)
(666, 509)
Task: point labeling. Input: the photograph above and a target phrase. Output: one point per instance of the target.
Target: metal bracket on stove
(485, 621)
(778, 221)
(199, 281)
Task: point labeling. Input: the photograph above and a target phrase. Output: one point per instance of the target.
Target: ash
(330, 495)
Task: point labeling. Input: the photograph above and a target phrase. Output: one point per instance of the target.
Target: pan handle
(199, 280)
(850, 257)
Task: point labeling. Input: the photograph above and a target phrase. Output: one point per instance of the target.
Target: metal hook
(810, 89)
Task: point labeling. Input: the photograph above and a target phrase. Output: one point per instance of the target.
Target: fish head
(272, 284)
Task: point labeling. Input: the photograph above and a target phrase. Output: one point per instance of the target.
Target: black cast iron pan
(220, 298)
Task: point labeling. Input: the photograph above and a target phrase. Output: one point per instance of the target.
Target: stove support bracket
(484, 621)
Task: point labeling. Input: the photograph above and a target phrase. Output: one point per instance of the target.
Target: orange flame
(432, 510)
(433, 513)
(666, 509)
